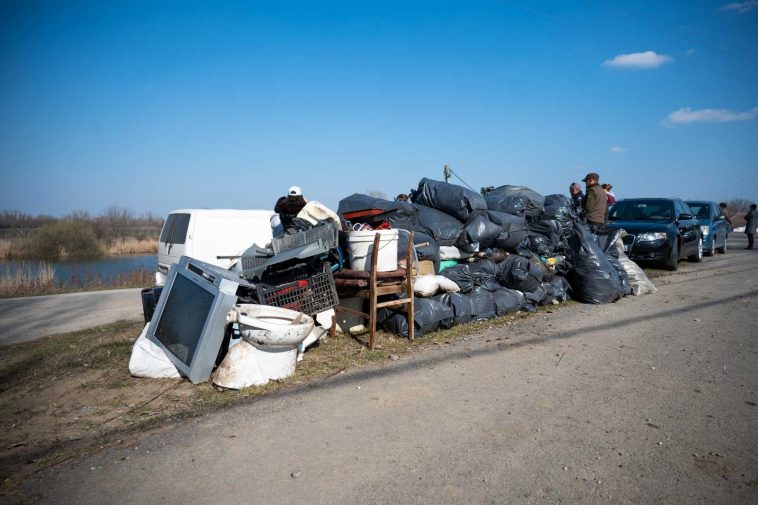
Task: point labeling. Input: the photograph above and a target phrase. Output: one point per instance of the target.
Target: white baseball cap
(295, 191)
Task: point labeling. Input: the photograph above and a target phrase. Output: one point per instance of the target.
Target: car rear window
(175, 229)
(642, 210)
(701, 210)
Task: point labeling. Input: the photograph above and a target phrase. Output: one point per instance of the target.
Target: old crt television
(190, 318)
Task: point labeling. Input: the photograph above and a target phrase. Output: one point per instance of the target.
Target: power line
(464, 182)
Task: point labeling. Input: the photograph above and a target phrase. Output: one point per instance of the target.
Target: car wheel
(698, 256)
(712, 250)
(722, 249)
(673, 262)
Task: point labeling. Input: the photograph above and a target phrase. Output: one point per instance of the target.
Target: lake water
(73, 271)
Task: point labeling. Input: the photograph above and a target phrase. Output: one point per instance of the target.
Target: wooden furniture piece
(373, 284)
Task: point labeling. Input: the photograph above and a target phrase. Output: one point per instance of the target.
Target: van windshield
(175, 229)
(642, 210)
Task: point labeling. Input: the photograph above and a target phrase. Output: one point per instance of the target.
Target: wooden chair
(375, 286)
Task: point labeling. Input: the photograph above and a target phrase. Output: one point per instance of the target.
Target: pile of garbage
(501, 251)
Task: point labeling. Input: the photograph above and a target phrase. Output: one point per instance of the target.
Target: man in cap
(595, 202)
(288, 207)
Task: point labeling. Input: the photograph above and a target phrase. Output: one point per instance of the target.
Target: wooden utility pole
(447, 173)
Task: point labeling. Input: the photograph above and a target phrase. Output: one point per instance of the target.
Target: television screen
(183, 318)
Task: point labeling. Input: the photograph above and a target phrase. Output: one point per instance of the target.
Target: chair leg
(372, 293)
(409, 287)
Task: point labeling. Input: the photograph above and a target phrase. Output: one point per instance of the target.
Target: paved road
(25, 319)
(648, 400)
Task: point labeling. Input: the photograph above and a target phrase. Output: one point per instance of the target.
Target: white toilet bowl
(271, 336)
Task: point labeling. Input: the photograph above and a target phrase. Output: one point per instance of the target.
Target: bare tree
(737, 208)
(374, 193)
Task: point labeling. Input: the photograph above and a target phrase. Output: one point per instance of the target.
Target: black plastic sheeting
(552, 230)
(451, 199)
(508, 301)
(483, 303)
(442, 227)
(467, 276)
(461, 275)
(478, 234)
(518, 200)
(555, 290)
(559, 207)
(399, 214)
(592, 277)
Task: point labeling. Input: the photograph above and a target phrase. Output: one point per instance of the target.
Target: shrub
(64, 238)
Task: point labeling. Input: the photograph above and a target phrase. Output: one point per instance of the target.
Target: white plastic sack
(314, 211)
(426, 285)
(149, 360)
(447, 285)
(452, 253)
(245, 365)
(641, 284)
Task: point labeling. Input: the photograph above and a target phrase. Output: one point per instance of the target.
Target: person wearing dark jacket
(577, 197)
(595, 202)
(288, 207)
(751, 223)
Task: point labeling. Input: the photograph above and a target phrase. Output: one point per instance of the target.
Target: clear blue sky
(162, 105)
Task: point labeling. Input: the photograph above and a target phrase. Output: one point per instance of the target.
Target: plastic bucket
(361, 243)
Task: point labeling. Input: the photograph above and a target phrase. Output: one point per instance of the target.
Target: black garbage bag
(518, 200)
(399, 214)
(592, 277)
(541, 245)
(534, 298)
(550, 229)
(555, 290)
(429, 314)
(508, 301)
(514, 229)
(483, 303)
(426, 247)
(449, 198)
(517, 272)
(442, 227)
(463, 309)
(485, 273)
(559, 207)
(478, 234)
(461, 275)
(467, 276)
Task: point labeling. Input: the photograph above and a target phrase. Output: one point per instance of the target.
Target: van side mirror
(684, 216)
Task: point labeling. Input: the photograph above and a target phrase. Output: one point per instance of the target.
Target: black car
(661, 230)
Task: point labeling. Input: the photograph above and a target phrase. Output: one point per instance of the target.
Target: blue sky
(163, 105)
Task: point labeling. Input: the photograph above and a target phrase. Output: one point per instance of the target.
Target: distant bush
(64, 238)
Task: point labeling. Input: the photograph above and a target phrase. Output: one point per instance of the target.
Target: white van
(215, 236)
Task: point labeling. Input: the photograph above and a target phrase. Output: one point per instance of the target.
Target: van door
(171, 244)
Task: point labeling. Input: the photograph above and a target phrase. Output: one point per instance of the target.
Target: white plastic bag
(641, 285)
(149, 360)
(447, 285)
(425, 285)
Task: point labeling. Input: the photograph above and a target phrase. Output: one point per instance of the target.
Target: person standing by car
(722, 209)
(751, 222)
(610, 194)
(595, 203)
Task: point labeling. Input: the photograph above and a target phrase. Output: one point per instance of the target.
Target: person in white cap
(288, 207)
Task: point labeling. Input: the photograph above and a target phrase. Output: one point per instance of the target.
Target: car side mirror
(684, 216)
(720, 217)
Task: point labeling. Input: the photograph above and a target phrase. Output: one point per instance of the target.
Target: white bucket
(360, 244)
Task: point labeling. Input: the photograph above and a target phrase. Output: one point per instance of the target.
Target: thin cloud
(741, 7)
(689, 116)
(618, 149)
(647, 59)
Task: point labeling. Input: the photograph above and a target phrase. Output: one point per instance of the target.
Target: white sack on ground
(447, 285)
(426, 285)
(641, 285)
(149, 360)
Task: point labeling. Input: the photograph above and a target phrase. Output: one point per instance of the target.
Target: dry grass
(13, 248)
(125, 246)
(27, 279)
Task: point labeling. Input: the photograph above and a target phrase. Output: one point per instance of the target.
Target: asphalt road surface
(30, 318)
(649, 400)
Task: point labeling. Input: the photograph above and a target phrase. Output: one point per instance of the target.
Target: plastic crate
(253, 262)
(309, 296)
(327, 235)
